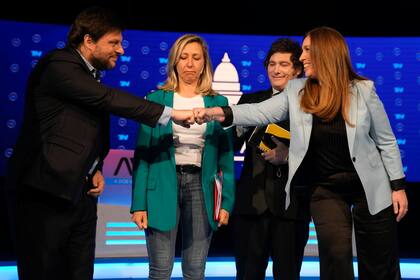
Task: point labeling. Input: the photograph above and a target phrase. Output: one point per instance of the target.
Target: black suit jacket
(66, 125)
(261, 184)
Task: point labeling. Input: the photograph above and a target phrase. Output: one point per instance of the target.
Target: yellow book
(261, 138)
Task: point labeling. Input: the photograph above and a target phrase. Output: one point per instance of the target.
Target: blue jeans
(195, 229)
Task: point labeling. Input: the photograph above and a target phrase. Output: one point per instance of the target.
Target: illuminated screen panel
(392, 63)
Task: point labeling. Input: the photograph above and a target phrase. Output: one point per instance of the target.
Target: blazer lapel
(306, 122)
(307, 127)
(266, 95)
(351, 131)
(209, 102)
(168, 100)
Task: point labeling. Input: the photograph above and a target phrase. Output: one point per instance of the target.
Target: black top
(328, 149)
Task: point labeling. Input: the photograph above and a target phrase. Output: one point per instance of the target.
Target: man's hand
(140, 218)
(223, 217)
(98, 182)
(278, 155)
(203, 115)
(183, 117)
(400, 204)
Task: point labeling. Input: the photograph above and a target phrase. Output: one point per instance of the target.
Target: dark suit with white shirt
(63, 141)
(262, 227)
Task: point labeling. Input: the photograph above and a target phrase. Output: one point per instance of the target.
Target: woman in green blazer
(177, 166)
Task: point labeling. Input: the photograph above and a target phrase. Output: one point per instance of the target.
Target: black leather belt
(188, 168)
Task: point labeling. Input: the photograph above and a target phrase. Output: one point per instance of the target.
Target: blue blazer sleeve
(272, 110)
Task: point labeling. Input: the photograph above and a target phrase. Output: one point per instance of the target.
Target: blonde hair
(329, 92)
(206, 78)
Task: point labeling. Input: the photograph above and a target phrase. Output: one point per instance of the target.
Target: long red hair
(329, 92)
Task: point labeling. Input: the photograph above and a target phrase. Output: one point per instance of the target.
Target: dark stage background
(399, 62)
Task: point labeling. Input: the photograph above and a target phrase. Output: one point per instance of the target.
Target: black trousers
(55, 240)
(334, 209)
(256, 238)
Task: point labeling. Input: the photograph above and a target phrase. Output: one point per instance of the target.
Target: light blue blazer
(372, 144)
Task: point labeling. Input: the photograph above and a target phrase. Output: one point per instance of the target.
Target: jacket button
(353, 159)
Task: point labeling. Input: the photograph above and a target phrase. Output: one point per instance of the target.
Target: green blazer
(155, 185)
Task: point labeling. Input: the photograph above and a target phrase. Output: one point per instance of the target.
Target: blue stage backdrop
(393, 63)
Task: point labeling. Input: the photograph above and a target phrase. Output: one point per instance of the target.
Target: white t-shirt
(188, 142)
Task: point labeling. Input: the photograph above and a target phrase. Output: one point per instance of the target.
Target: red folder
(217, 187)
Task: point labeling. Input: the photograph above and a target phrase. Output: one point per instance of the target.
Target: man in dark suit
(262, 227)
(55, 168)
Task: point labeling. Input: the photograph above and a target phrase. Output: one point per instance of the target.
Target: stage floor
(216, 268)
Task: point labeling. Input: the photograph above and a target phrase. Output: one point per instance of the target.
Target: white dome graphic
(226, 80)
